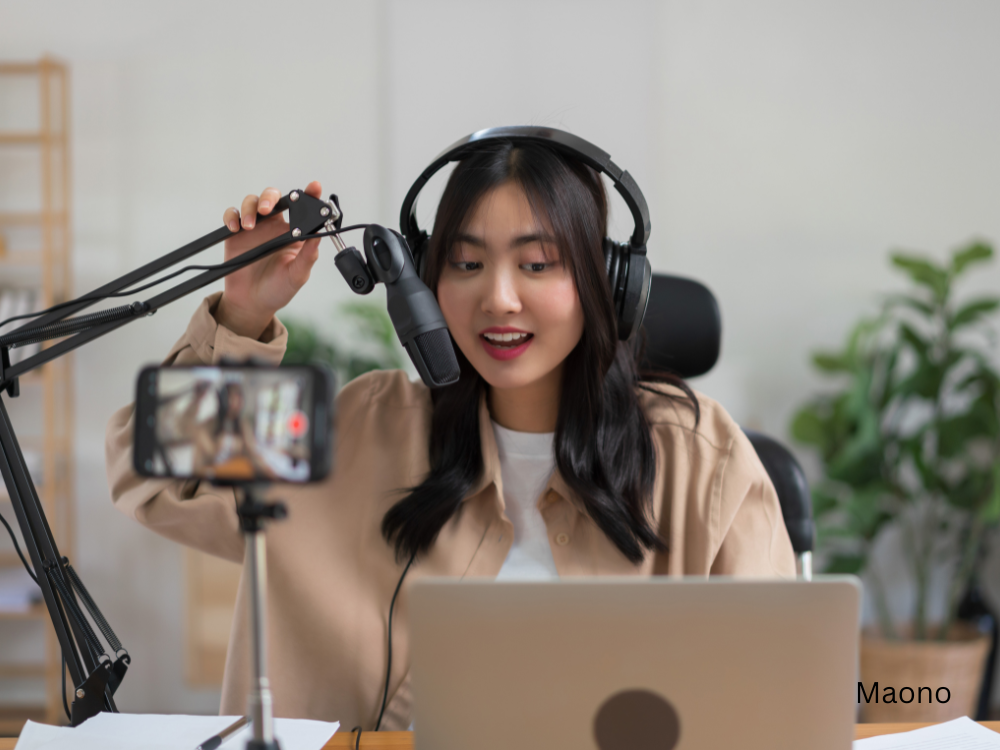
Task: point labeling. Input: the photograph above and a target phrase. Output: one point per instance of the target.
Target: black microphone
(413, 309)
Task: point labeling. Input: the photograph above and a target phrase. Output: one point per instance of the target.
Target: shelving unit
(35, 254)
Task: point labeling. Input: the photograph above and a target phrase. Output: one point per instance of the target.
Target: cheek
(455, 302)
(557, 307)
(449, 300)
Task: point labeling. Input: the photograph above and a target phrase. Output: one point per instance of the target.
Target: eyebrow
(524, 239)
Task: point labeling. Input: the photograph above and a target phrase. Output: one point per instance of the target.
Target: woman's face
(235, 402)
(509, 300)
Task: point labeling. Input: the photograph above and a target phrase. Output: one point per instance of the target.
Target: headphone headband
(562, 141)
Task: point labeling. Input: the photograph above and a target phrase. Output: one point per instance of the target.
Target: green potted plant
(911, 439)
(371, 323)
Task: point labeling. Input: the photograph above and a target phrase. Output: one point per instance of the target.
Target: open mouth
(506, 340)
(506, 346)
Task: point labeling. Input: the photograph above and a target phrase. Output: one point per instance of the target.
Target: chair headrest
(683, 326)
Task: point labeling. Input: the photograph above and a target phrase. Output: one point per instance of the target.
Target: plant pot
(955, 666)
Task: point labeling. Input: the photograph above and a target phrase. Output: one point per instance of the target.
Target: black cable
(357, 740)
(69, 716)
(231, 263)
(388, 668)
(18, 548)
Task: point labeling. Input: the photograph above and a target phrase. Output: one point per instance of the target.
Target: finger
(268, 197)
(249, 211)
(300, 268)
(231, 218)
(314, 189)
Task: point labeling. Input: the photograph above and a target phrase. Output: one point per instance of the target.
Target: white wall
(783, 147)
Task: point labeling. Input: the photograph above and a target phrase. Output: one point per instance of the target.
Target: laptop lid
(602, 664)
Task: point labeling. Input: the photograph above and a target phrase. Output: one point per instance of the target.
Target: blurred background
(784, 149)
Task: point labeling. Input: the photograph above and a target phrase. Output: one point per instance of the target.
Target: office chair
(683, 333)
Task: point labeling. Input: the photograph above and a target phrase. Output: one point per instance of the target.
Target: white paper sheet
(960, 734)
(167, 732)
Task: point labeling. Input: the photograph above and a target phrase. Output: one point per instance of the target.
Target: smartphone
(234, 424)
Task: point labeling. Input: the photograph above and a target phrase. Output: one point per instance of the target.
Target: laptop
(609, 664)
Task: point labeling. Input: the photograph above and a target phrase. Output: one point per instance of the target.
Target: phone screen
(232, 423)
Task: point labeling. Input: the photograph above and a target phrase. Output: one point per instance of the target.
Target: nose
(500, 296)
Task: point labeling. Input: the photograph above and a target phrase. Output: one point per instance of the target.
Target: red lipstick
(502, 352)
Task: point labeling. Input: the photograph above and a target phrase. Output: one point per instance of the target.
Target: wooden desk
(874, 730)
(404, 740)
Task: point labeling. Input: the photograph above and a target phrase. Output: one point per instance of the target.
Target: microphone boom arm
(94, 674)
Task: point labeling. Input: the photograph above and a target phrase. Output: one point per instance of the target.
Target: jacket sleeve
(188, 511)
(751, 528)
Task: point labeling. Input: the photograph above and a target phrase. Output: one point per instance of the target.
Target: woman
(548, 457)
(225, 446)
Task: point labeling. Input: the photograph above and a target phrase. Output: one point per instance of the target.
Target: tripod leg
(260, 703)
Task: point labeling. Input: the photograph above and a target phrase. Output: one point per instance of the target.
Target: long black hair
(603, 442)
(224, 421)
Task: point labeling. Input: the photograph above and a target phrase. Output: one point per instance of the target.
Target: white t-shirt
(526, 463)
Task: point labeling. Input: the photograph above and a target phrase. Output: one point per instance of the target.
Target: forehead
(504, 211)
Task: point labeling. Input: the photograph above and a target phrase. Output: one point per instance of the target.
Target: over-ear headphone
(628, 267)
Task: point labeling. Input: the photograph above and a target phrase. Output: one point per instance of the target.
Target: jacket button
(562, 539)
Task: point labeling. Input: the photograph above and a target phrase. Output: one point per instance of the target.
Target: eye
(465, 265)
(536, 267)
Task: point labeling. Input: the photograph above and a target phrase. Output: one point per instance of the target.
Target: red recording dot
(298, 423)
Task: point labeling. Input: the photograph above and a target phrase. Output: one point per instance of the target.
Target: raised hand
(254, 294)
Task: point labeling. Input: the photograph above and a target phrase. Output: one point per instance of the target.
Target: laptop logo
(636, 720)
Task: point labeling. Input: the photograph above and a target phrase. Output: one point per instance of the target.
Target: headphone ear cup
(420, 255)
(629, 274)
(635, 296)
(612, 265)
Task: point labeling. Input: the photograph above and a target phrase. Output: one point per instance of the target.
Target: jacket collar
(491, 466)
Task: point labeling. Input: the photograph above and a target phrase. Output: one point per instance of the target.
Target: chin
(507, 380)
(507, 375)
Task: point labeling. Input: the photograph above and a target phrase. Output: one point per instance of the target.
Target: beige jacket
(331, 575)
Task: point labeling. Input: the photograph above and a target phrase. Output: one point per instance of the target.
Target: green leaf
(924, 382)
(374, 323)
(866, 512)
(301, 342)
(809, 427)
(990, 512)
(823, 502)
(972, 311)
(831, 362)
(914, 339)
(914, 448)
(954, 433)
(973, 253)
(860, 459)
(846, 564)
(924, 272)
(905, 300)
(859, 338)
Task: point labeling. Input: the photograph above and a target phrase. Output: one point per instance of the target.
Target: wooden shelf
(22, 138)
(30, 218)
(37, 612)
(12, 718)
(31, 258)
(23, 68)
(41, 263)
(25, 671)
(9, 559)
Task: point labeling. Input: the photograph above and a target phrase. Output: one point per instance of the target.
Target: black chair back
(683, 329)
(683, 326)
(793, 490)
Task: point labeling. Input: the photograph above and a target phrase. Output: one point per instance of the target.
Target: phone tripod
(254, 512)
